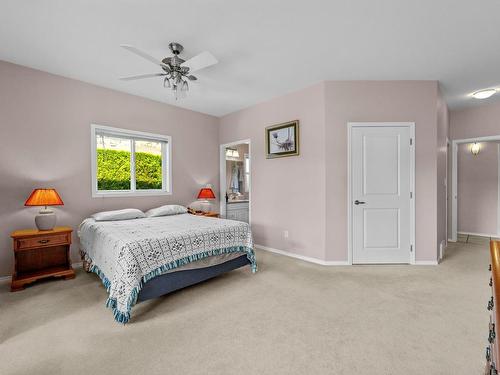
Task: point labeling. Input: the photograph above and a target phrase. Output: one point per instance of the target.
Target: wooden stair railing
(492, 349)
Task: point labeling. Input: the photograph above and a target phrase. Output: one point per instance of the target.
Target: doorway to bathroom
(235, 180)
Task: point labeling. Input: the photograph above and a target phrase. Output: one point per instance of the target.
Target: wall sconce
(475, 148)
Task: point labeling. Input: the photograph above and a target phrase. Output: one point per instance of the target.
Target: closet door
(380, 191)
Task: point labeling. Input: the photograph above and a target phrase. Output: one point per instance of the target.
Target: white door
(380, 192)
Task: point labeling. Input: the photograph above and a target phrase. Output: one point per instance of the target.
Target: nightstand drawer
(42, 241)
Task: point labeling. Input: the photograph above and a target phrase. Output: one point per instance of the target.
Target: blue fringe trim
(124, 317)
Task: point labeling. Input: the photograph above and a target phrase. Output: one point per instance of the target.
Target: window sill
(145, 193)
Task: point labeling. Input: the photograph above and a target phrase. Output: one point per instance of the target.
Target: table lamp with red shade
(46, 218)
(206, 193)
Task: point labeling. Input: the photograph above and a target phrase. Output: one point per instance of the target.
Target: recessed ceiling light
(484, 94)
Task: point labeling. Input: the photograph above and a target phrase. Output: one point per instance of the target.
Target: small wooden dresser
(41, 254)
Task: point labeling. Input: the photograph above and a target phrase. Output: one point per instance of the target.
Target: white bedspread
(127, 253)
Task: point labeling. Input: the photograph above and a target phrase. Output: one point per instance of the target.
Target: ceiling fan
(176, 71)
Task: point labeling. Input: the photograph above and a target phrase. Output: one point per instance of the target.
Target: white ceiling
(265, 48)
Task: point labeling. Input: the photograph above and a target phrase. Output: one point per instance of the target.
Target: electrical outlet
(285, 233)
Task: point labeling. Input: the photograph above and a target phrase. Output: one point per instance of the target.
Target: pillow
(169, 209)
(126, 214)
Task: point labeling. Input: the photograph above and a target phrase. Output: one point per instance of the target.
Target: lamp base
(45, 220)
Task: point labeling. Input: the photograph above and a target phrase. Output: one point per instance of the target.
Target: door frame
(454, 179)
(222, 174)
(411, 127)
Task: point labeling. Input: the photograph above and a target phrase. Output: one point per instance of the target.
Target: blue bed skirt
(173, 281)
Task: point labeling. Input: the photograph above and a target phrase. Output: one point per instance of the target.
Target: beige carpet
(291, 317)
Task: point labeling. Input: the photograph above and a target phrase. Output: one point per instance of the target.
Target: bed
(148, 257)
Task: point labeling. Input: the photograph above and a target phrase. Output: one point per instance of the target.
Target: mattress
(206, 262)
(128, 253)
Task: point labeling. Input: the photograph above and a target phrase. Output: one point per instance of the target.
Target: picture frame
(282, 140)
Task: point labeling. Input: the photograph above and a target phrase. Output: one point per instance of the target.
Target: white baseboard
(442, 250)
(479, 234)
(450, 240)
(329, 262)
(9, 278)
(302, 257)
(426, 263)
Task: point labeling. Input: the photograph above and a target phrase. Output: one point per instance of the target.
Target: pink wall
(45, 124)
(478, 189)
(477, 121)
(407, 101)
(287, 193)
(45, 141)
(307, 195)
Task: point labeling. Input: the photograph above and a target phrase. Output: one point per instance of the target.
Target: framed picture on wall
(282, 140)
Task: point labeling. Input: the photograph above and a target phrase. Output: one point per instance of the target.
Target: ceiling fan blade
(143, 76)
(200, 61)
(144, 55)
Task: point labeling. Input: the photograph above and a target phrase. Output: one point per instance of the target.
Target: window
(130, 163)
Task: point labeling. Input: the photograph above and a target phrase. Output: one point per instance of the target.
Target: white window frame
(134, 135)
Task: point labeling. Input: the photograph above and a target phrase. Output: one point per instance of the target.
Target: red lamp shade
(44, 197)
(206, 193)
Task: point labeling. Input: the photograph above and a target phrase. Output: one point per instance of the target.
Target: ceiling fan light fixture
(175, 69)
(166, 83)
(484, 94)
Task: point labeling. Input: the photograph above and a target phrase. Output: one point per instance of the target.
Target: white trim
(450, 240)
(442, 249)
(447, 179)
(166, 150)
(133, 186)
(413, 189)
(454, 183)
(479, 234)
(454, 179)
(426, 262)
(222, 174)
(302, 257)
(349, 194)
(411, 126)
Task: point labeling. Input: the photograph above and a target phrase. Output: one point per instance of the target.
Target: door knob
(356, 202)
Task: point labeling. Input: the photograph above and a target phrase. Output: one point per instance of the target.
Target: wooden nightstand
(208, 214)
(41, 254)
